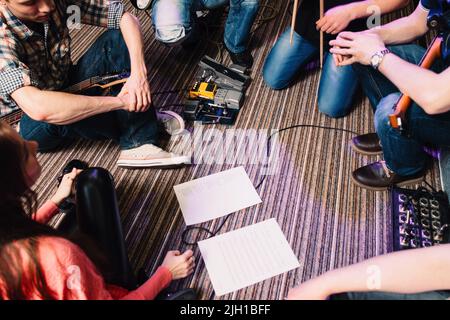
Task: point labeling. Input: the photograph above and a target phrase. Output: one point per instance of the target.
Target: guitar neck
(78, 87)
(13, 117)
(404, 102)
(103, 82)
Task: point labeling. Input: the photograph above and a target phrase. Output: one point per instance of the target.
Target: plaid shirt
(28, 58)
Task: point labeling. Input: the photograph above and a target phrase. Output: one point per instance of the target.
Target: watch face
(143, 4)
(375, 60)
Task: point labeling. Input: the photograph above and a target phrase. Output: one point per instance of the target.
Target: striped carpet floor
(328, 221)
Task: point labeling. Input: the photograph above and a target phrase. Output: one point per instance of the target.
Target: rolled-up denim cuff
(173, 34)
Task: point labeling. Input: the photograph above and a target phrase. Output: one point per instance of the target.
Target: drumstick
(294, 19)
(321, 34)
(321, 50)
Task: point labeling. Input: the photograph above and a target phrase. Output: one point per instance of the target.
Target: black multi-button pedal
(420, 218)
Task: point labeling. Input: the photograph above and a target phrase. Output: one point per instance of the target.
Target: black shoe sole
(400, 184)
(366, 153)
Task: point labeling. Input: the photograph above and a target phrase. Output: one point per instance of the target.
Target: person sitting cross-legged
(36, 68)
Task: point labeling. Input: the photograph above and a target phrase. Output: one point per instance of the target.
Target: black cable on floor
(170, 91)
(213, 233)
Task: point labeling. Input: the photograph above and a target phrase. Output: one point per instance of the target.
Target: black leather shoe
(367, 144)
(378, 177)
(243, 59)
(184, 294)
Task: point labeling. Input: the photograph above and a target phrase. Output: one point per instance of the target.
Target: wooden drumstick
(322, 9)
(294, 19)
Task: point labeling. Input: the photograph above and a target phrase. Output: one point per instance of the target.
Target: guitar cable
(184, 235)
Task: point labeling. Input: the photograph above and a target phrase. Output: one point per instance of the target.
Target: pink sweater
(71, 275)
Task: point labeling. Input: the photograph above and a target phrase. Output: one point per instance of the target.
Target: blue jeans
(107, 55)
(173, 20)
(404, 153)
(432, 295)
(337, 85)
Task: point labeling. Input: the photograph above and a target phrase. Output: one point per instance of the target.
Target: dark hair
(18, 231)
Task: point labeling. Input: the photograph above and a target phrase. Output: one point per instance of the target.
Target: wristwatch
(377, 58)
(142, 4)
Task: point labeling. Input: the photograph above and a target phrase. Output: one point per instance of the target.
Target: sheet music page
(216, 195)
(246, 256)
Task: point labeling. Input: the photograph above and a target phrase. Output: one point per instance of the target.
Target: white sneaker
(149, 155)
(172, 121)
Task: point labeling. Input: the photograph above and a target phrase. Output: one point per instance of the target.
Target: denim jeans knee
(336, 89)
(48, 136)
(403, 154)
(285, 60)
(384, 109)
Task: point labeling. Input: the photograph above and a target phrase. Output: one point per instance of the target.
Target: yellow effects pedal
(203, 90)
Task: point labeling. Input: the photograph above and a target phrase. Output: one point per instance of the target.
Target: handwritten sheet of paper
(216, 195)
(243, 257)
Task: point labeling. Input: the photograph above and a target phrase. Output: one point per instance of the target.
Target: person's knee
(272, 81)
(384, 109)
(42, 133)
(331, 109)
(272, 77)
(172, 34)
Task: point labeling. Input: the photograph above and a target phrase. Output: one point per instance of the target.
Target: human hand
(65, 187)
(335, 20)
(359, 47)
(337, 58)
(135, 93)
(180, 265)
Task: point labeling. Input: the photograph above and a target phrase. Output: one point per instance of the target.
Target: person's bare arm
(430, 93)
(363, 9)
(137, 86)
(406, 29)
(63, 108)
(338, 18)
(410, 271)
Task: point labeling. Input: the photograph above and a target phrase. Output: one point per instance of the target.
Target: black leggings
(97, 217)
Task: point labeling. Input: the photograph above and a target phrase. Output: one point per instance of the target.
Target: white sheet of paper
(216, 195)
(246, 256)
